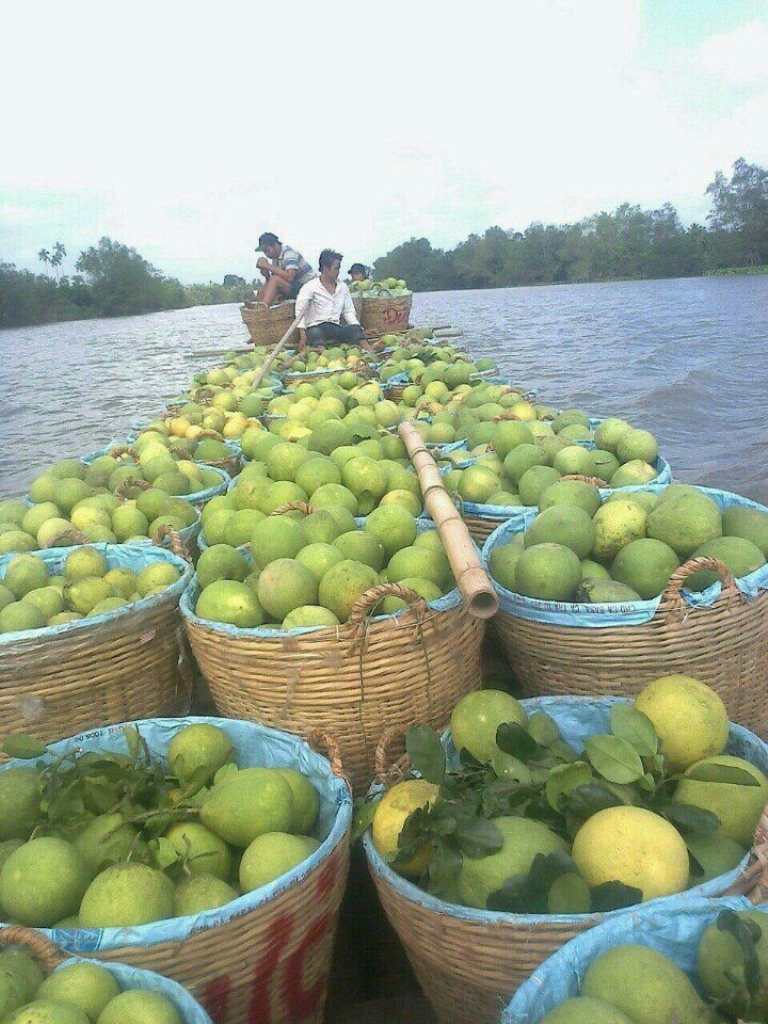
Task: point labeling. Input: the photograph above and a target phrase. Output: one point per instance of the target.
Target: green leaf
(423, 746)
(133, 741)
(362, 817)
(26, 748)
(747, 933)
(444, 871)
(543, 729)
(722, 773)
(688, 818)
(477, 837)
(562, 780)
(569, 894)
(614, 758)
(513, 739)
(614, 895)
(562, 750)
(584, 801)
(632, 725)
(163, 852)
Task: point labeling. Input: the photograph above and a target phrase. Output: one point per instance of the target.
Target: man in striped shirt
(285, 270)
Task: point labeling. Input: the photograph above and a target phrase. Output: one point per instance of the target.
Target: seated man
(358, 272)
(285, 274)
(323, 302)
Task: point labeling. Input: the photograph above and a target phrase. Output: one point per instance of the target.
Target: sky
(186, 129)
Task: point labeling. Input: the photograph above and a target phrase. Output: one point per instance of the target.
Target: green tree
(45, 258)
(123, 282)
(57, 257)
(739, 215)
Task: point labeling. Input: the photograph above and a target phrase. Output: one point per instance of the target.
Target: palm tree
(45, 257)
(59, 252)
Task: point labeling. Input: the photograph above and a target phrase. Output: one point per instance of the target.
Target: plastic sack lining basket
(674, 931)
(354, 679)
(267, 324)
(85, 674)
(266, 955)
(386, 314)
(720, 635)
(469, 962)
(50, 957)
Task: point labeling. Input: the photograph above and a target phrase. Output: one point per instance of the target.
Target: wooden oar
(472, 579)
(274, 353)
(218, 352)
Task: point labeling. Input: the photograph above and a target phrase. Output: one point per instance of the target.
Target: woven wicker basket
(385, 314)
(49, 956)
(266, 959)
(86, 674)
(267, 324)
(469, 962)
(354, 679)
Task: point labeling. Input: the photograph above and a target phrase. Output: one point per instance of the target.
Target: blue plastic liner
(255, 745)
(674, 931)
(118, 556)
(577, 718)
(630, 613)
(127, 977)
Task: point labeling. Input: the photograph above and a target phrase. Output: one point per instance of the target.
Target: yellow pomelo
(271, 855)
(689, 717)
(140, 1006)
(203, 851)
(43, 881)
(391, 812)
(306, 802)
(478, 715)
(201, 892)
(248, 803)
(84, 985)
(125, 895)
(737, 806)
(634, 846)
(196, 747)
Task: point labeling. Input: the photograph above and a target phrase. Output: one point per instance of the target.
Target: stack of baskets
(267, 324)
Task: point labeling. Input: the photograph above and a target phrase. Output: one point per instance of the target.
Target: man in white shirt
(323, 303)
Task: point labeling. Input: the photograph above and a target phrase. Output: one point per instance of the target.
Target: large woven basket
(469, 962)
(49, 957)
(266, 956)
(724, 644)
(267, 324)
(85, 674)
(386, 314)
(355, 679)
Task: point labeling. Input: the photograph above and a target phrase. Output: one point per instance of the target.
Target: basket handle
(294, 506)
(208, 432)
(166, 537)
(389, 771)
(672, 601)
(595, 480)
(66, 537)
(131, 482)
(367, 602)
(40, 946)
(325, 743)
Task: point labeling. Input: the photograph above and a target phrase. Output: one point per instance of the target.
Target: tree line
(629, 243)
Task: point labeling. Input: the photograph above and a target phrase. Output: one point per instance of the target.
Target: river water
(686, 359)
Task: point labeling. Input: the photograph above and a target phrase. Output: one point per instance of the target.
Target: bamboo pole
(218, 352)
(274, 353)
(472, 579)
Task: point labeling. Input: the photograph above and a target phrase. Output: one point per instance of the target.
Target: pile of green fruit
(30, 598)
(97, 839)
(636, 984)
(393, 286)
(309, 570)
(76, 993)
(524, 822)
(580, 548)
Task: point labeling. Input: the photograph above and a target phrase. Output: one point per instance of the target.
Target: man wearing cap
(285, 274)
(323, 303)
(358, 272)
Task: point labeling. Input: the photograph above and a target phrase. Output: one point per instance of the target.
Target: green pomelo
(214, 529)
(201, 892)
(739, 555)
(523, 839)
(534, 482)
(321, 527)
(316, 472)
(37, 515)
(749, 523)
(87, 986)
(50, 533)
(571, 492)
(19, 803)
(276, 537)
(477, 483)
(129, 522)
(616, 524)
(523, 458)
(45, 1011)
(43, 881)
(570, 418)
(606, 464)
(285, 584)
(67, 493)
(715, 855)
(478, 715)
(284, 460)
(609, 433)
(25, 573)
(646, 985)
(343, 584)
(549, 572)
(42, 487)
(429, 539)
(502, 563)
(309, 616)
(18, 964)
(271, 855)
(425, 588)
(231, 602)
(7, 597)
(507, 435)
(125, 895)
(426, 563)
(362, 546)
(593, 570)
(202, 850)
(737, 806)
(329, 436)
(319, 558)
(365, 478)
(84, 561)
(49, 600)
(64, 617)
(105, 840)
(240, 526)
(721, 968)
(247, 804)
(573, 459)
(394, 526)
(13, 541)
(82, 595)
(249, 493)
(344, 519)
(637, 445)
(13, 510)
(140, 1006)
(403, 498)
(335, 494)
(605, 591)
(633, 474)
(563, 524)
(21, 616)
(685, 523)
(156, 575)
(197, 747)
(84, 517)
(645, 499)
(585, 1010)
(646, 566)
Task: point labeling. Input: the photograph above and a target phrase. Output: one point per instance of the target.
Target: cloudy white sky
(186, 129)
